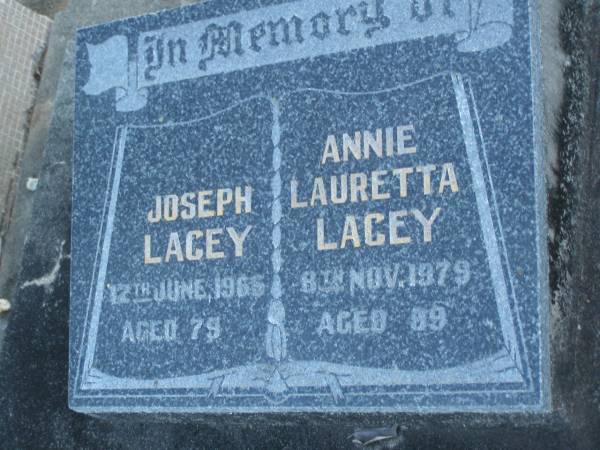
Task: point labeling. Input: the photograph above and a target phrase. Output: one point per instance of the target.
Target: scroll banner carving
(283, 33)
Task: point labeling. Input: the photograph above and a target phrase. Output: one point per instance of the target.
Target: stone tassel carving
(276, 340)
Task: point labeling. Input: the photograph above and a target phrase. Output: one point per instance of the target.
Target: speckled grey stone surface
(339, 211)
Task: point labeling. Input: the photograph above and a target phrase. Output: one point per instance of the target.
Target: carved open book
(339, 292)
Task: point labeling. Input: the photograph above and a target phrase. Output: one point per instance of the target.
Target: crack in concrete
(46, 281)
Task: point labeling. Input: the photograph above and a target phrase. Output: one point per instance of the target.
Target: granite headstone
(304, 206)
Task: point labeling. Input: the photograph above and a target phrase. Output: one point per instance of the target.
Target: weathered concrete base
(34, 360)
(46, 7)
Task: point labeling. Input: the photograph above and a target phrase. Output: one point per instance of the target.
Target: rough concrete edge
(33, 73)
(577, 274)
(41, 116)
(48, 8)
(21, 199)
(569, 136)
(567, 210)
(553, 62)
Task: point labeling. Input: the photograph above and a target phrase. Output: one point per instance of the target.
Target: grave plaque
(302, 206)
